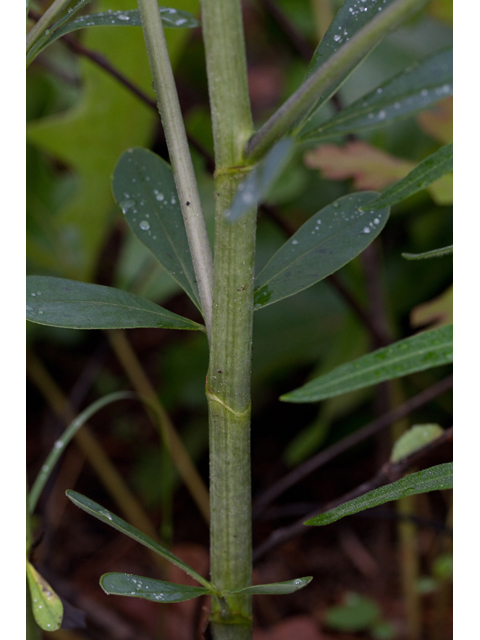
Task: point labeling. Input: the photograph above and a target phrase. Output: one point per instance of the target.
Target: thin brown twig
(389, 472)
(336, 449)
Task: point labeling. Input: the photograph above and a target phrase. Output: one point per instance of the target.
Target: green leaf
(144, 189)
(47, 606)
(414, 439)
(126, 584)
(359, 613)
(99, 512)
(79, 305)
(429, 170)
(414, 89)
(325, 243)
(352, 16)
(256, 187)
(171, 18)
(62, 442)
(433, 479)
(423, 351)
(434, 253)
(274, 588)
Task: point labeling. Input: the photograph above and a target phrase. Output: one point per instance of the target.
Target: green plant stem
(345, 59)
(180, 158)
(38, 29)
(33, 631)
(228, 382)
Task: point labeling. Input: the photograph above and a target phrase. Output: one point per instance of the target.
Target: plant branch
(173, 125)
(344, 59)
(352, 440)
(53, 11)
(389, 472)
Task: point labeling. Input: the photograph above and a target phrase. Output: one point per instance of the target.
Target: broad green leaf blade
(62, 442)
(414, 89)
(352, 16)
(99, 512)
(325, 243)
(79, 305)
(414, 439)
(433, 479)
(47, 606)
(171, 18)
(126, 584)
(426, 172)
(434, 253)
(144, 189)
(423, 351)
(255, 188)
(274, 588)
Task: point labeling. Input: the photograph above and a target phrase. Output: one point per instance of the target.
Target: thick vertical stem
(228, 382)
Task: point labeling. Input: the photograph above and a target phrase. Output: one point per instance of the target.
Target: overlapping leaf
(79, 305)
(47, 606)
(255, 188)
(144, 189)
(423, 351)
(104, 515)
(125, 584)
(414, 89)
(352, 16)
(426, 172)
(324, 244)
(433, 479)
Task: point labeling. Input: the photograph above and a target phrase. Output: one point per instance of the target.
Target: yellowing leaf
(435, 313)
(47, 606)
(438, 121)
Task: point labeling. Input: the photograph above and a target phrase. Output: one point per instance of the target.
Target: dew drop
(144, 225)
(366, 230)
(160, 197)
(127, 204)
(294, 241)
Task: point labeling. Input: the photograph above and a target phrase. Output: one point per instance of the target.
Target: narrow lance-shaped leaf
(325, 243)
(414, 439)
(256, 187)
(79, 305)
(426, 172)
(125, 584)
(274, 588)
(47, 606)
(433, 479)
(171, 18)
(414, 89)
(106, 516)
(434, 253)
(423, 351)
(144, 189)
(352, 16)
(62, 442)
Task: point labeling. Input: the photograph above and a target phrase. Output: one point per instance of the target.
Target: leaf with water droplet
(47, 606)
(432, 479)
(410, 91)
(155, 194)
(126, 584)
(399, 359)
(325, 243)
(274, 588)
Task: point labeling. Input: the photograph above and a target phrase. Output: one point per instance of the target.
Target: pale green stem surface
(345, 58)
(179, 152)
(38, 29)
(228, 382)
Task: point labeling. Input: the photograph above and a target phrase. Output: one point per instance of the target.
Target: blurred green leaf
(432, 479)
(47, 606)
(357, 614)
(144, 189)
(325, 243)
(412, 90)
(426, 172)
(274, 588)
(415, 438)
(79, 305)
(104, 515)
(417, 353)
(126, 584)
